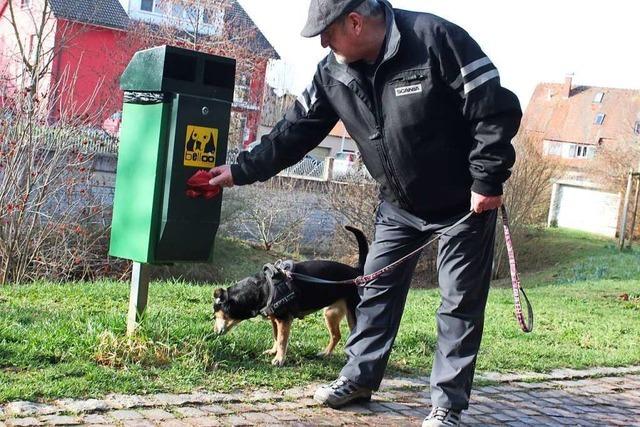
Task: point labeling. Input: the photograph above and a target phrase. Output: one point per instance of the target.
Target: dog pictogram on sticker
(200, 147)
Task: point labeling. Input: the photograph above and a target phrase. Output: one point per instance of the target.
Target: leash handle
(515, 278)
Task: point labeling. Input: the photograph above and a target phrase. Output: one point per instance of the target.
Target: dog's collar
(280, 267)
(281, 291)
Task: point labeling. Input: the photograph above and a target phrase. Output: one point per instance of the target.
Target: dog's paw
(270, 352)
(324, 354)
(277, 361)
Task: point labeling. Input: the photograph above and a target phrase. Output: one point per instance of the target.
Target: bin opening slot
(180, 67)
(217, 74)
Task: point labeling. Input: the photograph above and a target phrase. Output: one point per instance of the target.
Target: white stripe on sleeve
(308, 98)
(470, 68)
(480, 80)
(457, 83)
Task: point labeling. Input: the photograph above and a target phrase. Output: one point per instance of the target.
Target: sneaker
(442, 417)
(340, 392)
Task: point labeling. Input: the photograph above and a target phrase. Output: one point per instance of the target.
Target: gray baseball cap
(323, 13)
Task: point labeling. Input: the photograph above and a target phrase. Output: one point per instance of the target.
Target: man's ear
(354, 23)
(220, 295)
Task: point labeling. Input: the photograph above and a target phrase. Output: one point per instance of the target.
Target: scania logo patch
(408, 90)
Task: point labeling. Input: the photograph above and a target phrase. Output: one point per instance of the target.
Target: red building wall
(87, 69)
(255, 98)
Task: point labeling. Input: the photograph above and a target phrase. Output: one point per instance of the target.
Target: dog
(252, 296)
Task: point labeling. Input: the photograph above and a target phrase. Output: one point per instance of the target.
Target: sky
(529, 41)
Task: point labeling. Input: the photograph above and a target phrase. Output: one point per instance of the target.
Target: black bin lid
(177, 70)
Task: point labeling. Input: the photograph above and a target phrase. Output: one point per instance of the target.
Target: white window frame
(163, 11)
(569, 150)
(599, 119)
(581, 151)
(598, 98)
(552, 148)
(153, 7)
(242, 91)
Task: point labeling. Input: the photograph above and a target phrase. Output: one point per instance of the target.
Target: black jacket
(439, 126)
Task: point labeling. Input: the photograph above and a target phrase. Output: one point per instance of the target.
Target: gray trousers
(464, 270)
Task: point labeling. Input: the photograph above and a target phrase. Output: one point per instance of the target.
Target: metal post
(623, 227)
(138, 296)
(328, 169)
(553, 211)
(635, 208)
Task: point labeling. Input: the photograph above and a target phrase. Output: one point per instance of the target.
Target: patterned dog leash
(515, 279)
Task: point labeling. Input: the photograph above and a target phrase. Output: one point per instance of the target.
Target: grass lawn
(545, 248)
(68, 340)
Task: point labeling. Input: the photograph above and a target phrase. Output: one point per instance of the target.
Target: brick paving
(594, 397)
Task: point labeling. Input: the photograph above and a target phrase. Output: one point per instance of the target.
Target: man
(433, 125)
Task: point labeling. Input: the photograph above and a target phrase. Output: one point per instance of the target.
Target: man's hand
(221, 176)
(480, 203)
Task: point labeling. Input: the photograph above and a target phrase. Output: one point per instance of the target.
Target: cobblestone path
(595, 397)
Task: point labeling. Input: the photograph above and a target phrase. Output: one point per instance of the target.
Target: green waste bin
(175, 121)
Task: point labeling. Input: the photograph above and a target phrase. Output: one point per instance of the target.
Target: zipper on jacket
(393, 179)
(391, 176)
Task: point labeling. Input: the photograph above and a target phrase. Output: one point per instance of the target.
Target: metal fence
(84, 140)
(313, 169)
(306, 168)
(232, 155)
(52, 137)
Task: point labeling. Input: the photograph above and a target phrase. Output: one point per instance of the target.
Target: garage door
(587, 209)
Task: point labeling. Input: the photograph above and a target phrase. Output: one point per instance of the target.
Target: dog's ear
(220, 295)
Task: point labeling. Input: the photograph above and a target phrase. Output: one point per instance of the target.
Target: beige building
(594, 134)
(273, 110)
(337, 141)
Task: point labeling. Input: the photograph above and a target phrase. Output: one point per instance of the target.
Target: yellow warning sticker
(200, 147)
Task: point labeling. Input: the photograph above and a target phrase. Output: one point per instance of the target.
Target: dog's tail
(363, 246)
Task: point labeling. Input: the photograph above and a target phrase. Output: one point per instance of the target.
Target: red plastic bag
(198, 185)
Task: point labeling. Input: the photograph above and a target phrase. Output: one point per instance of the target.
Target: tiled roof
(238, 17)
(339, 130)
(106, 13)
(553, 116)
(109, 13)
